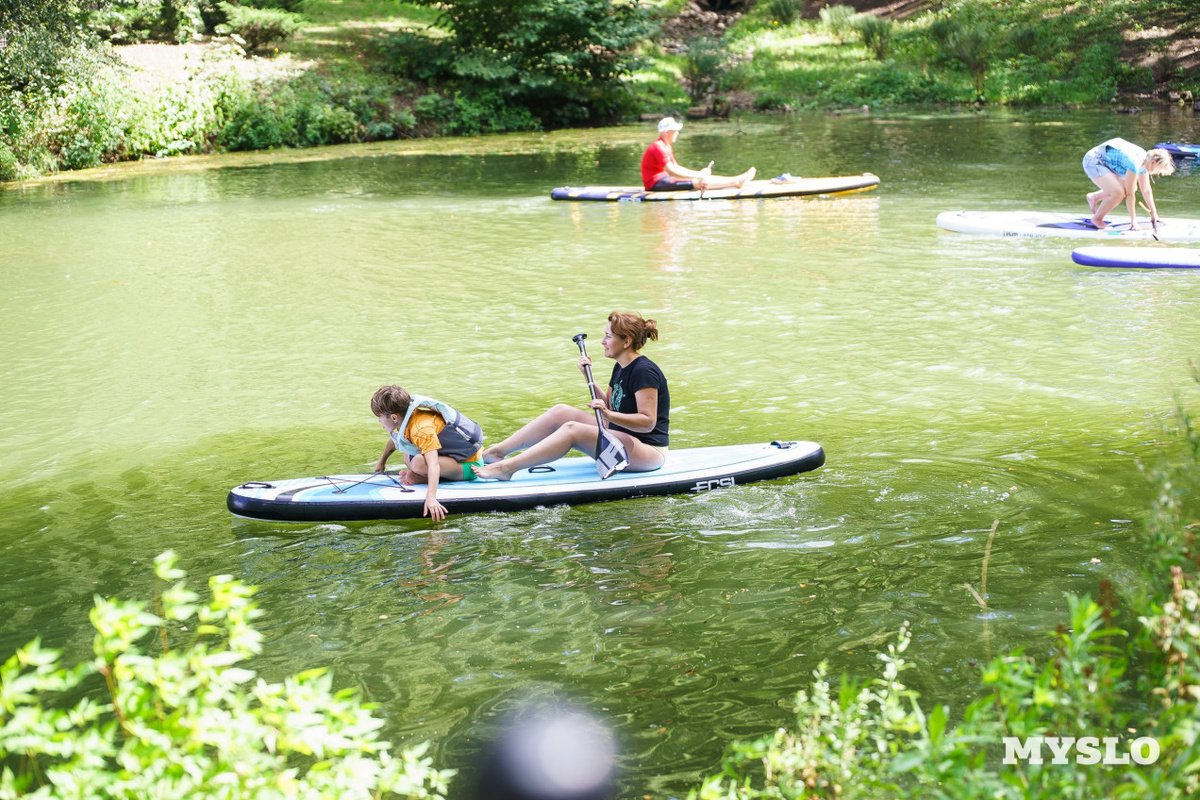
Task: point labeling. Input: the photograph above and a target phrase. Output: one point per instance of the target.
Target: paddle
(1153, 221)
(610, 453)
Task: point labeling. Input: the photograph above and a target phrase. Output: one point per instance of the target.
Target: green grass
(332, 12)
(1043, 52)
(338, 35)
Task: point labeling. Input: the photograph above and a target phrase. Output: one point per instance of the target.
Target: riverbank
(361, 71)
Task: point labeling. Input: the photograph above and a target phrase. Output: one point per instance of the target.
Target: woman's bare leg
(572, 434)
(1112, 191)
(537, 430)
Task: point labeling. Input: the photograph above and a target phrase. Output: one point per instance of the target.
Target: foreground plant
(192, 721)
(1109, 714)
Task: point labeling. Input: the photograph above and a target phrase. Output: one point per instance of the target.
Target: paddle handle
(587, 369)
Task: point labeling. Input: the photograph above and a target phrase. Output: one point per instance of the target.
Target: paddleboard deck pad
(568, 481)
(1137, 257)
(795, 187)
(1042, 224)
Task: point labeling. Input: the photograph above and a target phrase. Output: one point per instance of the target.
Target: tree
(39, 44)
(561, 59)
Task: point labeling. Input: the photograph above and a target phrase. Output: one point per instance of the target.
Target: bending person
(1119, 168)
(662, 173)
(636, 408)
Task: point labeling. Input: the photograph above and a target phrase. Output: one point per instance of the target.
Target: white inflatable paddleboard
(568, 481)
(1040, 224)
(791, 187)
(1137, 257)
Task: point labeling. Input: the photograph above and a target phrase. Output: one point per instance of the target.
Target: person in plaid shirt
(1120, 168)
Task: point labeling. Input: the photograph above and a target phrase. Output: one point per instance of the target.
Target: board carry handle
(610, 453)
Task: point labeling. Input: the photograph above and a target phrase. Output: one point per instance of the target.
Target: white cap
(669, 124)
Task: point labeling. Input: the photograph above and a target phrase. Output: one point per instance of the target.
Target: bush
(126, 21)
(972, 45)
(837, 21)
(10, 168)
(876, 33)
(785, 12)
(705, 64)
(411, 55)
(129, 21)
(93, 129)
(182, 716)
(877, 739)
(564, 62)
(489, 112)
(259, 27)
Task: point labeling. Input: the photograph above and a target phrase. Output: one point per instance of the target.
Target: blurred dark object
(550, 755)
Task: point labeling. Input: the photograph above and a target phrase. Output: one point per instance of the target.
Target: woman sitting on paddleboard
(1116, 166)
(636, 408)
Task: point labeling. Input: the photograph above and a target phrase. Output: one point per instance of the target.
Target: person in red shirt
(661, 173)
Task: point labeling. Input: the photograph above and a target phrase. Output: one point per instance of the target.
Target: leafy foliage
(563, 60)
(42, 45)
(705, 65)
(259, 27)
(876, 33)
(194, 721)
(877, 740)
(785, 12)
(837, 21)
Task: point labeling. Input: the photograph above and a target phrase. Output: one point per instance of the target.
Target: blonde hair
(1159, 162)
(628, 325)
(390, 400)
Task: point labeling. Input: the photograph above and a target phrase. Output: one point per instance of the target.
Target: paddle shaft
(587, 371)
(1153, 220)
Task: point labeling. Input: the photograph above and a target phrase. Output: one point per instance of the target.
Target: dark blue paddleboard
(1137, 257)
(568, 481)
(1180, 150)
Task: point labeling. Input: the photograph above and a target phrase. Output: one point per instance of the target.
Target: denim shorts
(1094, 165)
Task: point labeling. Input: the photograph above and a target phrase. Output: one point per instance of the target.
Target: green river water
(171, 332)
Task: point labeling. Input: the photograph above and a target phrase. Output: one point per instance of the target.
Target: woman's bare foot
(1092, 198)
(490, 455)
(1099, 224)
(497, 471)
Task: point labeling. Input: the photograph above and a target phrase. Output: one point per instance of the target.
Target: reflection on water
(171, 334)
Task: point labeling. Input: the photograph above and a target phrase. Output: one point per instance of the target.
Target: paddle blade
(610, 455)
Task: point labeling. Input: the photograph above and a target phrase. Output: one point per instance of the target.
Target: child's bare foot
(497, 471)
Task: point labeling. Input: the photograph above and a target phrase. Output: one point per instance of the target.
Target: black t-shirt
(641, 373)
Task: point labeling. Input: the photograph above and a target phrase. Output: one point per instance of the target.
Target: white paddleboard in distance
(568, 481)
(1137, 257)
(1042, 224)
(793, 187)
